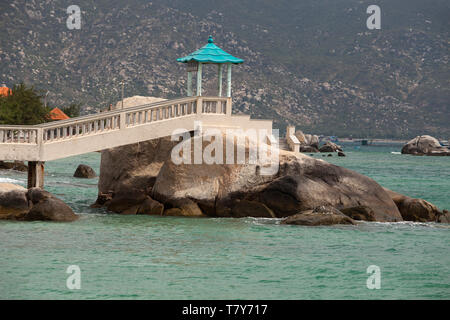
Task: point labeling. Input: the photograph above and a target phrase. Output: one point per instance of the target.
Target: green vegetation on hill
(312, 63)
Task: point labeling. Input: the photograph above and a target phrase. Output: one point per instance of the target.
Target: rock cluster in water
(308, 142)
(13, 165)
(142, 179)
(18, 203)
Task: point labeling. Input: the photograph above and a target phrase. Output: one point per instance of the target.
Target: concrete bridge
(60, 139)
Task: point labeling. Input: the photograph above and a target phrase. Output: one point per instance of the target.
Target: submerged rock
(84, 171)
(425, 145)
(18, 203)
(321, 216)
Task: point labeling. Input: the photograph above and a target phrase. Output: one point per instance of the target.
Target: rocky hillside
(310, 63)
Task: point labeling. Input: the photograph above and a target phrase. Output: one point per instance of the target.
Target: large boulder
(84, 171)
(132, 168)
(321, 216)
(418, 210)
(301, 183)
(425, 145)
(18, 203)
(127, 175)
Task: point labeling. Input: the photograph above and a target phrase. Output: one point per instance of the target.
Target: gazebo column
(228, 80)
(219, 80)
(199, 79)
(189, 84)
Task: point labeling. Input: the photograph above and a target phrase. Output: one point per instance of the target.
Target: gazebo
(209, 54)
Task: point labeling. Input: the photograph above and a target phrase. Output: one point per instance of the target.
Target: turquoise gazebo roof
(210, 53)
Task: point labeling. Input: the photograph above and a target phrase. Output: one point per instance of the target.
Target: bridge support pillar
(35, 174)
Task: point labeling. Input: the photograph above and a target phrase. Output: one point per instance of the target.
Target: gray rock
(18, 203)
(84, 171)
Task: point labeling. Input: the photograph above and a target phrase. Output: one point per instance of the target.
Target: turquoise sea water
(147, 257)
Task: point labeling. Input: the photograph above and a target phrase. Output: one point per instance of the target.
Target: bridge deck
(65, 138)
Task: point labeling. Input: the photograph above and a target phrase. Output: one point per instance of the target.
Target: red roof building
(57, 114)
(5, 91)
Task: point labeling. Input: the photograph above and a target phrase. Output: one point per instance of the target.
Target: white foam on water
(395, 152)
(9, 180)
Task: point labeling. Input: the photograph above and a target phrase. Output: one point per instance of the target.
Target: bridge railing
(18, 134)
(113, 120)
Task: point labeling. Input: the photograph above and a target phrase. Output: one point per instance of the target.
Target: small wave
(402, 224)
(9, 180)
(395, 152)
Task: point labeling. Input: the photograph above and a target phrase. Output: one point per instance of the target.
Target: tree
(23, 107)
(73, 110)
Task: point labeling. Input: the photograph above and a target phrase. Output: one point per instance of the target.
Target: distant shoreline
(393, 141)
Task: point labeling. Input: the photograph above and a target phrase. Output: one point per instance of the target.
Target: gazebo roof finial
(210, 39)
